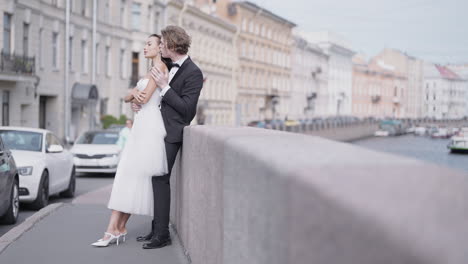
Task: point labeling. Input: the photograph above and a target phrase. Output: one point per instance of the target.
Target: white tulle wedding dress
(143, 156)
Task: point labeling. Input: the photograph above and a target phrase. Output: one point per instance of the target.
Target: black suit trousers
(162, 192)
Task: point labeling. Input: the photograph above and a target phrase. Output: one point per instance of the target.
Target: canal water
(423, 148)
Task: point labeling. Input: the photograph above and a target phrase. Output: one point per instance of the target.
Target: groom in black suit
(180, 89)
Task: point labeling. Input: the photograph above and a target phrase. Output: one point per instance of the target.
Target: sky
(432, 30)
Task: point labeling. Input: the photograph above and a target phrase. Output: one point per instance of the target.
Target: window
(25, 39)
(150, 11)
(107, 11)
(135, 63)
(103, 107)
(6, 108)
(83, 7)
(98, 62)
(243, 49)
(6, 33)
(52, 140)
(244, 24)
(84, 58)
(107, 61)
(55, 50)
(136, 13)
(122, 63)
(40, 55)
(156, 21)
(122, 12)
(70, 52)
(56, 141)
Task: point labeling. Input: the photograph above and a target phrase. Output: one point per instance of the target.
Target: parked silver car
(9, 187)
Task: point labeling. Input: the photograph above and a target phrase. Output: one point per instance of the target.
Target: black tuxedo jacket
(179, 104)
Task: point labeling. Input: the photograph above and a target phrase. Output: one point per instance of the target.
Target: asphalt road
(84, 183)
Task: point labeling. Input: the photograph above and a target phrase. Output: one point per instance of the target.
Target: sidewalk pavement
(65, 235)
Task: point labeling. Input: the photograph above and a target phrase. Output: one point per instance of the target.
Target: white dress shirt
(172, 72)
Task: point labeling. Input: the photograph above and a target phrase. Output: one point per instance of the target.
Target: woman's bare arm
(151, 86)
(131, 95)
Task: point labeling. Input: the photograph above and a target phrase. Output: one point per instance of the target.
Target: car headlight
(114, 155)
(25, 171)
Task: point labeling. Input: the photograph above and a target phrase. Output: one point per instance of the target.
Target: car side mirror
(55, 149)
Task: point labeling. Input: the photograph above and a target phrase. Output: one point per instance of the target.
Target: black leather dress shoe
(145, 238)
(148, 236)
(158, 242)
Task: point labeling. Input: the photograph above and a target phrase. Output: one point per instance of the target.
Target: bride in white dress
(143, 156)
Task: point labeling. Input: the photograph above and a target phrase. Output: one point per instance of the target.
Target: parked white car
(420, 131)
(381, 133)
(96, 152)
(44, 166)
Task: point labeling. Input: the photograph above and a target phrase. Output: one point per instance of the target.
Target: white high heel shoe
(105, 242)
(123, 235)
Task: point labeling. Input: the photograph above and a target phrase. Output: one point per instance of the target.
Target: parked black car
(9, 187)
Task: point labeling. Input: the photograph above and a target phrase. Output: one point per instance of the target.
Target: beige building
(94, 62)
(376, 89)
(264, 46)
(411, 104)
(213, 49)
(309, 76)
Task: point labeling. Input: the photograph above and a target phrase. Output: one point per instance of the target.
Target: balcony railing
(17, 64)
(375, 98)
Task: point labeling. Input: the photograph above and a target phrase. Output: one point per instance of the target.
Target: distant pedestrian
(124, 133)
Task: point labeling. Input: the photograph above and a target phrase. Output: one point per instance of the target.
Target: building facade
(213, 49)
(264, 45)
(18, 74)
(376, 89)
(462, 71)
(412, 70)
(83, 68)
(337, 99)
(309, 73)
(444, 93)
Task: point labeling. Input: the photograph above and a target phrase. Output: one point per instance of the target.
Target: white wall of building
(443, 98)
(338, 96)
(309, 68)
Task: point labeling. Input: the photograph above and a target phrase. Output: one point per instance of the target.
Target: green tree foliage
(108, 120)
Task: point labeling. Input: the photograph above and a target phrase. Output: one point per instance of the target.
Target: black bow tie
(175, 65)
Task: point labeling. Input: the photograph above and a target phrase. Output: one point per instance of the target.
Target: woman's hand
(136, 107)
(139, 95)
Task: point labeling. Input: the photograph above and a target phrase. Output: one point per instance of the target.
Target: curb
(16, 232)
(178, 241)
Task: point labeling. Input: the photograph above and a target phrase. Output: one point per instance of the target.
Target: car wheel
(70, 192)
(11, 215)
(42, 198)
